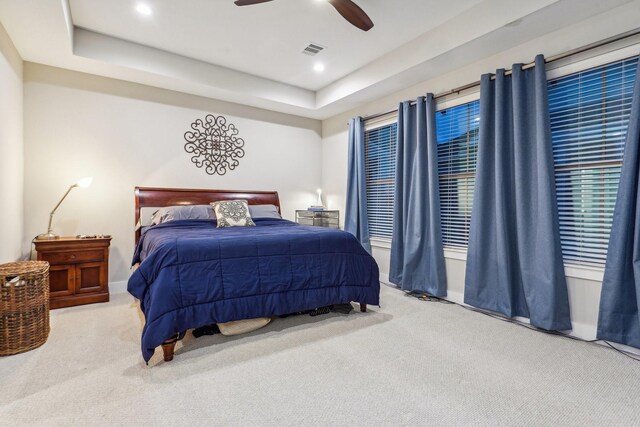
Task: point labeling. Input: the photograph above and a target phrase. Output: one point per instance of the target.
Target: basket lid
(23, 267)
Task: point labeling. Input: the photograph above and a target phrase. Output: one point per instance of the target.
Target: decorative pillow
(233, 213)
(264, 211)
(173, 213)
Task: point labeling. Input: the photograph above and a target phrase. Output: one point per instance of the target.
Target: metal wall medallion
(214, 145)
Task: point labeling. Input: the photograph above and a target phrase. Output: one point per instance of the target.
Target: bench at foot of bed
(169, 346)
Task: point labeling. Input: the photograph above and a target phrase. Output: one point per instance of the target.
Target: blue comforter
(193, 274)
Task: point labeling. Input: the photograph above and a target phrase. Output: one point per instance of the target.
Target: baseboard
(621, 347)
(579, 330)
(119, 287)
(384, 278)
(583, 331)
(457, 297)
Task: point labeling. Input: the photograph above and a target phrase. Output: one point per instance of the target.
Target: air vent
(313, 49)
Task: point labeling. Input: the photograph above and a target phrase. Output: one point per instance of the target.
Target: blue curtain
(355, 221)
(417, 258)
(620, 298)
(514, 261)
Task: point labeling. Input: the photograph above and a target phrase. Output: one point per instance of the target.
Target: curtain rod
(553, 58)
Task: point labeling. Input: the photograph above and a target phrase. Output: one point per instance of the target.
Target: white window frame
(471, 96)
(559, 69)
(575, 269)
(386, 120)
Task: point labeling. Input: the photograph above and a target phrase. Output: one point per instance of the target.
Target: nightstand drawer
(325, 222)
(305, 214)
(317, 214)
(73, 256)
(329, 214)
(320, 222)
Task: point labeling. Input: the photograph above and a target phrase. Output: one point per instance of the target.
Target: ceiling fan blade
(249, 2)
(352, 13)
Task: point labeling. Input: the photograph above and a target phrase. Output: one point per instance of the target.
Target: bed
(191, 274)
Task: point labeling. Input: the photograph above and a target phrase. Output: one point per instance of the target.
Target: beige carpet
(407, 363)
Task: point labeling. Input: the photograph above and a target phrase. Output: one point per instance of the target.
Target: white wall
(11, 150)
(127, 135)
(584, 284)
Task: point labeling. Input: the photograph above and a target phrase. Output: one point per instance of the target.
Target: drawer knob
(72, 256)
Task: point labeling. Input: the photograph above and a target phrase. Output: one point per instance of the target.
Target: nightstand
(329, 219)
(79, 269)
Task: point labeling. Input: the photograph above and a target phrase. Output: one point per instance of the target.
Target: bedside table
(79, 269)
(329, 219)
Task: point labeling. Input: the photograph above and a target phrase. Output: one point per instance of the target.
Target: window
(589, 113)
(380, 168)
(457, 134)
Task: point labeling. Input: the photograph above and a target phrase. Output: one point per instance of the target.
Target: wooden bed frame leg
(363, 307)
(168, 347)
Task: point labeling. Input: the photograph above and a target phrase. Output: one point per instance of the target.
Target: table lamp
(319, 206)
(319, 202)
(82, 183)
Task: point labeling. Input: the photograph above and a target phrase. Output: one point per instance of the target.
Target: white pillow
(233, 213)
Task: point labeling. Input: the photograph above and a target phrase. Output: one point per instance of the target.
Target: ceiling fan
(347, 8)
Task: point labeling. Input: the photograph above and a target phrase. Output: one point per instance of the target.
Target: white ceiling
(252, 54)
(267, 39)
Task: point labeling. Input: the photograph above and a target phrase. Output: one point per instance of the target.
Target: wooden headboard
(160, 197)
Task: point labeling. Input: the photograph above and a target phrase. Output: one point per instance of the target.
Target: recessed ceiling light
(318, 67)
(143, 9)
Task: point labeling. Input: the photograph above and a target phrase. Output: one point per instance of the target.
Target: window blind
(457, 134)
(589, 113)
(380, 168)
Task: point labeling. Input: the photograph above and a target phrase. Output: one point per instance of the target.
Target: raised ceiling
(267, 39)
(252, 55)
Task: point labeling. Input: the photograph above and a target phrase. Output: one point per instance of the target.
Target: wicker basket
(24, 306)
